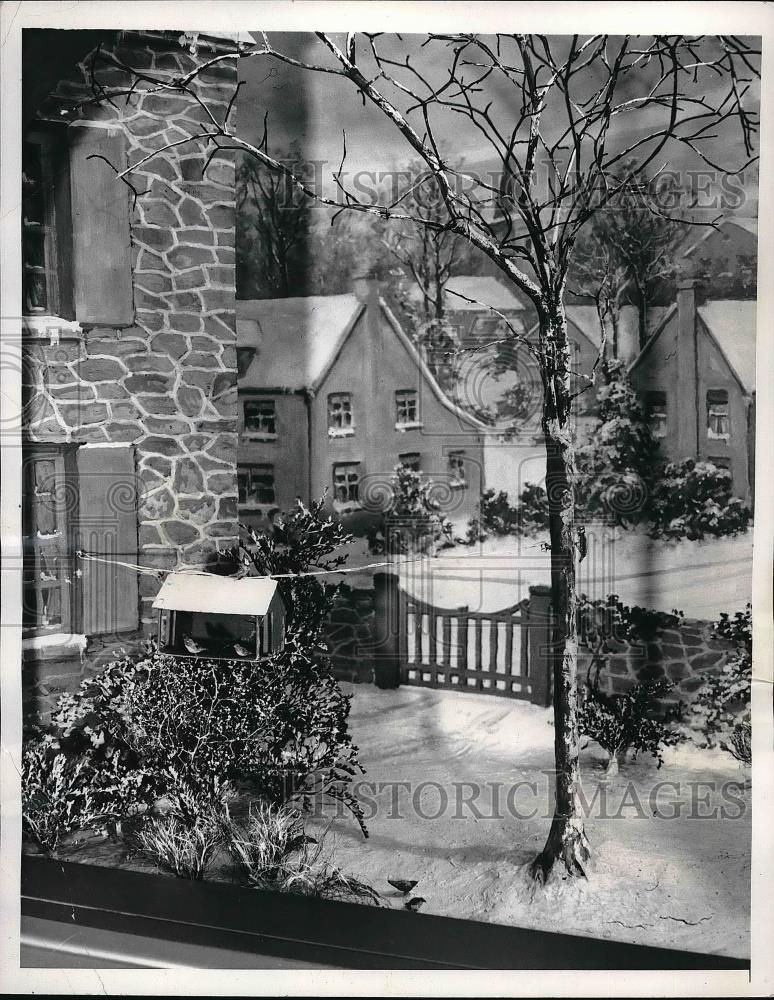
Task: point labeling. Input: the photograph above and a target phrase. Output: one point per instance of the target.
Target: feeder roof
(221, 595)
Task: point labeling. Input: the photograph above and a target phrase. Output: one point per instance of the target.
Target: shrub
(497, 516)
(414, 521)
(741, 743)
(722, 703)
(62, 793)
(620, 722)
(693, 499)
(271, 851)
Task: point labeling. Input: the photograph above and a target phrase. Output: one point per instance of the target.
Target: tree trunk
(566, 840)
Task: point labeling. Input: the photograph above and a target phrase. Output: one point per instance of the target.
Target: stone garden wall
(684, 655)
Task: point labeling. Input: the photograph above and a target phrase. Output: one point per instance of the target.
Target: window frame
(414, 462)
(459, 457)
(342, 430)
(261, 434)
(654, 399)
(721, 399)
(405, 397)
(57, 226)
(62, 549)
(246, 471)
(348, 503)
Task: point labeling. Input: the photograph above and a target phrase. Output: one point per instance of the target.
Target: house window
(656, 407)
(406, 408)
(410, 460)
(48, 515)
(261, 419)
(45, 226)
(256, 485)
(346, 482)
(457, 468)
(38, 240)
(718, 424)
(340, 418)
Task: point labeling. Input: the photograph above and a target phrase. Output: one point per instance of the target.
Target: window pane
(35, 292)
(346, 483)
(33, 204)
(34, 248)
(340, 411)
(406, 407)
(260, 418)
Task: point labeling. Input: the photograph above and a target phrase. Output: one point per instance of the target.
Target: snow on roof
(732, 323)
(483, 289)
(221, 595)
(296, 340)
(586, 318)
(749, 226)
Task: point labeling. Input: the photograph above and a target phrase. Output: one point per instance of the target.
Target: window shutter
(101, 244)
(106, 526)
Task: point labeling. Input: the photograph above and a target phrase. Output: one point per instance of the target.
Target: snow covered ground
(457, 786)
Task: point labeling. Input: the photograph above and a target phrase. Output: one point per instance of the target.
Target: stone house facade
(129, 353)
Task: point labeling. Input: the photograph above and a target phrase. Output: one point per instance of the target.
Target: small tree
(616, 465)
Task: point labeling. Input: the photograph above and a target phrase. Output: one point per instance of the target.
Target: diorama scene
(388, 470)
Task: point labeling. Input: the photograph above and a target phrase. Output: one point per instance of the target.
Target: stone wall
(167, 383)
(684, 655)
(349, 633)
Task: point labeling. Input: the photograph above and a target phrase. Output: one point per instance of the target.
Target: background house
(333, 394)
(696, 376)
(128, 340)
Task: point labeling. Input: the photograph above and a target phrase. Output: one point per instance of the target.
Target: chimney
(628, 333)
(365, 285)
(687, 383)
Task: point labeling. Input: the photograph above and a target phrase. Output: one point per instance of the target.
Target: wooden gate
(490, 652)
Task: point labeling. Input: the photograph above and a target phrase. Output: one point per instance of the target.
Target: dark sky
(313, 109)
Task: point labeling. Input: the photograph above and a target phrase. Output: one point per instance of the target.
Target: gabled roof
(295, 340)
(732, 323)
(222, 595)
(748, 225)
(484, 289)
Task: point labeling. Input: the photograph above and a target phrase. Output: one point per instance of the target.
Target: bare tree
(429, 254)
(630, 250)
(562, 116)
(274, 226)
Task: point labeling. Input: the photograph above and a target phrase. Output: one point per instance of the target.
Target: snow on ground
(701, 578)
(677, 879)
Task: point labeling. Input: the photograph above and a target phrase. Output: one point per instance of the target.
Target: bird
(240, 650)
(415, 904)
(404, 885)
(192, 645)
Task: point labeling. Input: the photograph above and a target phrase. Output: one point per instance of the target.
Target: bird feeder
(220, 618)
